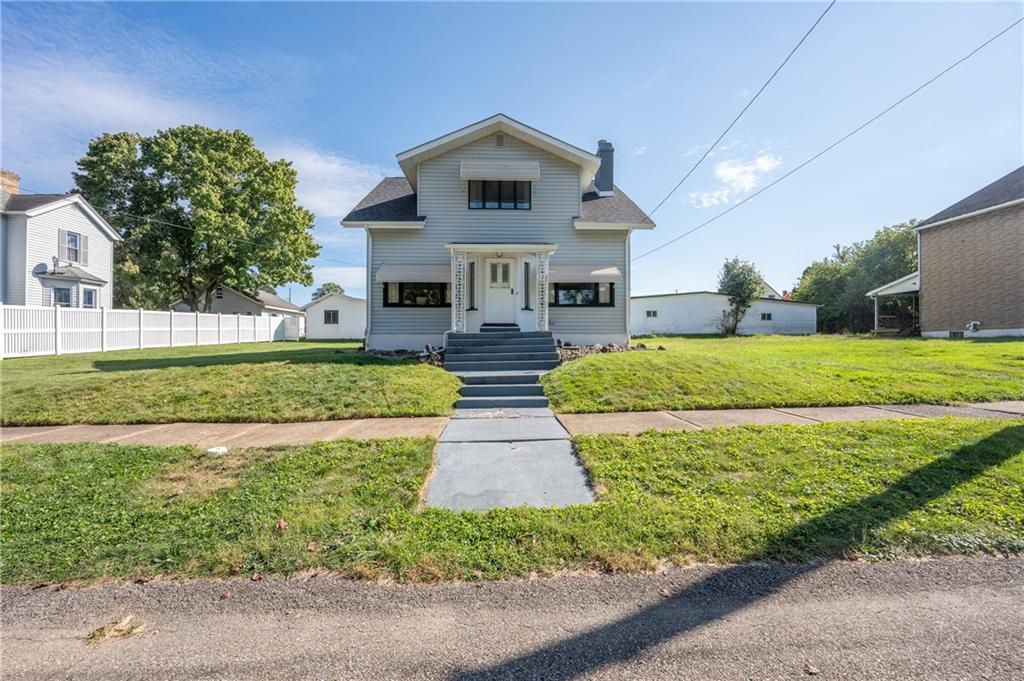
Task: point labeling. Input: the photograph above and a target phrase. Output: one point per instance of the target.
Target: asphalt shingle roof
(393, 200)
(73, 273)
(617, 208)
(1007, 188)
(273, 300)
(22, 202)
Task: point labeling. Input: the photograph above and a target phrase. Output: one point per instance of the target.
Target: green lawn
(776, 371)
(878, 489)
(239, 383)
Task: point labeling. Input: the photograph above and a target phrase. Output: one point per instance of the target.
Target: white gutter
(983, 211)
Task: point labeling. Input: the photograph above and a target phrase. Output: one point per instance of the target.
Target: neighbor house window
(62, 297)
(71, 246)
(652, 313)
(417, 294)
(500, 194)
(766, 316)
(592, 294)
(88, 297)
(330, 316)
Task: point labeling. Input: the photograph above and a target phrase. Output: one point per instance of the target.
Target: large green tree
(743, 284)
(327, 288)
(197, 208)
(838, 283)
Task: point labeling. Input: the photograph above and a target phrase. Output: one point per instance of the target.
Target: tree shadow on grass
(735, 588)
(319, 355)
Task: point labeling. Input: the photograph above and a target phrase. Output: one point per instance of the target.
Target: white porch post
(458, 291)
(876, 313)
(542, 291)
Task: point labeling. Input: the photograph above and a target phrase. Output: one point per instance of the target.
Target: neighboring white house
(227, 300)
(55, 249)
(335, 316)
(699, 312)
(498, 223)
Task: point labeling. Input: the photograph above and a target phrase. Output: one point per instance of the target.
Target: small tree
(327, 289)
(743, 284)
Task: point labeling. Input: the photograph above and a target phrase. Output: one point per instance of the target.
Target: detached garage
(699, 312)
(336, 317)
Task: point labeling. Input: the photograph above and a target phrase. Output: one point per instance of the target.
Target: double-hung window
(71, 246)
(88, 297)
(500, 194)
(417, 294)
(61, 297)
(596, 294)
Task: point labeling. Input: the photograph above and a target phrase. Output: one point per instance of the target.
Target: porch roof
(904, 285)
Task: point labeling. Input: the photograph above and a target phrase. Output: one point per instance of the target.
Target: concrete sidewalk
(697, 419)
(271, 434)
(230, 434)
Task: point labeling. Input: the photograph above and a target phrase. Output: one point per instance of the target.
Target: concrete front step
(527, 376)
(500, 334)
(501, 365)
(502, 390)
(494, 402)
(505, 348)
(504, 357)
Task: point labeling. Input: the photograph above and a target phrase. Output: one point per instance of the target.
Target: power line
(837, 142)
(743, 110)
(193, 229)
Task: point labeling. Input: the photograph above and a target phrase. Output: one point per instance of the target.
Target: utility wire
(193, 229)
(743, 110)
(838, 141)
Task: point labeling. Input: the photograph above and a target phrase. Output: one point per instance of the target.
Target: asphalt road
(943, 619)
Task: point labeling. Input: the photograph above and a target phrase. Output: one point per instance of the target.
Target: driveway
(952, 618)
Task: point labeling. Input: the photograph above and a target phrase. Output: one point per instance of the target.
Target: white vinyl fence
(29, 330)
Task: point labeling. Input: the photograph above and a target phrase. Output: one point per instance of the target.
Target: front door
(499, 307)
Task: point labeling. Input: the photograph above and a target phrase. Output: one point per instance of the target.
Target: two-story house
(498, 225)
(55, 249)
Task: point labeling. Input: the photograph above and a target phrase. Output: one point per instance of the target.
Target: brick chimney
(603, 180)
(10, 181)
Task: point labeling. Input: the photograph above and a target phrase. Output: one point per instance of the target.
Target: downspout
(369, 287)
(629, 285)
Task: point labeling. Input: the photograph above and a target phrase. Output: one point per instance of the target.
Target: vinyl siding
(443, 201)
(14, 260)
(41, 248)
(351, 318)
(699, 313)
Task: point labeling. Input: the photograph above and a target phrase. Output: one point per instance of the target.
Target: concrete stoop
(500, 366)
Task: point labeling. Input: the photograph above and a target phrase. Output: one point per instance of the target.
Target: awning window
(414, 273)
(528, 171)
(584, 273)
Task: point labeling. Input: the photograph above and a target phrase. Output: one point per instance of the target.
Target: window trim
(78, 246)
(337, 317)
(553, 300)
(445, 288)
(95, 297)
(766, 316)
(53, 296)
(515, 195)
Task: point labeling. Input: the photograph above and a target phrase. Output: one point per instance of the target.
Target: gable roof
(322, 299)
(392, 200)
(32, 205)
(1004, 192)
(615, 209)
(718, 293)
(273, 300)
(410, 159)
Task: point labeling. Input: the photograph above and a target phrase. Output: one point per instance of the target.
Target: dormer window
(500, 194)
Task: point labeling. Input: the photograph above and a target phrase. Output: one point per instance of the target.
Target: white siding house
(55, 249)
(335, 317)
(699, 312)
(498, 224)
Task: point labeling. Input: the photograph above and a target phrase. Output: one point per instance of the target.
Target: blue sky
(339, 89)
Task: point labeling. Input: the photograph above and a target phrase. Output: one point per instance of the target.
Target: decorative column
(542, 291)
(458, 291)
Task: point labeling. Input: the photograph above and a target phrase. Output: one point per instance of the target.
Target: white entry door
(499, 306)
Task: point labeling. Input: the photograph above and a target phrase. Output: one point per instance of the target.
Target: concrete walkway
(503, 425)
(230, 434)
(504, 457)
(639, 421)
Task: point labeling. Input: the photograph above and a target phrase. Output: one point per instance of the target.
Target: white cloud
(736, 177)
(329, 184)
(639, 151)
